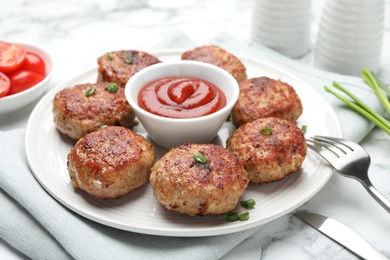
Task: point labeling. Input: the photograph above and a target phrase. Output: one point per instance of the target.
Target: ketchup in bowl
(181, 97)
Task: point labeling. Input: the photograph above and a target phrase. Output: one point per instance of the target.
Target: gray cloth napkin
(41, 228)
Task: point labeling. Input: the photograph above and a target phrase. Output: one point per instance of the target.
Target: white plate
(47, 149)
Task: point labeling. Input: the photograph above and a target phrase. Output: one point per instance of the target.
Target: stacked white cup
(350, 36)
(283, 25)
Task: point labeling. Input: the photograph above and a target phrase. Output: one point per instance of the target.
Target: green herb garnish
(111, 87)
(359, 106)
(110, 56)
(266, 131)
(385, 87)
(249, 204)
(377, 86)
(304, 129)
(200, 158)
(244, 216)
(128, 58)
(232, 216)
(90, 92)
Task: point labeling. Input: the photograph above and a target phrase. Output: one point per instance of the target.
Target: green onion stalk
(381, 91)
(372, 81)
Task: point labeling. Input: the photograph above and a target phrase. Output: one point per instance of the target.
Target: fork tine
(354, 163)
(325, 152)
(319, 146)
(349, 147)
(341, 142)
(329, 145)
(334, 149)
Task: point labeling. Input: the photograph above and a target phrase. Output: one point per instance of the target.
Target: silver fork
(348, 159)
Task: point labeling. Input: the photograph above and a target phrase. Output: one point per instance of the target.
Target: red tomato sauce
(177, 97)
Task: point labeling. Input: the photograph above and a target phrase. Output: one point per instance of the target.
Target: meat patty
(110, 162)
(182, 184)
(217, 56)
(270, 148)
(119, 66)
(77, 112)
(264, 97)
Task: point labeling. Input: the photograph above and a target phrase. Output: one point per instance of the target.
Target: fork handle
(382, 200)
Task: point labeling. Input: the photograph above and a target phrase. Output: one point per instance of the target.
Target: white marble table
(76, 32)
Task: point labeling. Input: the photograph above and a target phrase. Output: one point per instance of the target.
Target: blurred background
(97, 26)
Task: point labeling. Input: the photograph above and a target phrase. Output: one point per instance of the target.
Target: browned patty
(110, 162)
(264, 97)
(183, 185)
(268, 157)
(76, 114)
(217, 56)
(119, 66)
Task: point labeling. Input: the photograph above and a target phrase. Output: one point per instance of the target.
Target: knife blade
(342, 234)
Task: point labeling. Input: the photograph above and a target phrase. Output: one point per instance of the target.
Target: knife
(342, 234)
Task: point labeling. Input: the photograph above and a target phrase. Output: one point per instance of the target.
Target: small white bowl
(172, 132)
(14, 102)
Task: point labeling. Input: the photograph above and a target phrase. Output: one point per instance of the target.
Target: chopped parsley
(128, 58)
(90, 91)
(266, 131)
(200, 158)
(111, 87)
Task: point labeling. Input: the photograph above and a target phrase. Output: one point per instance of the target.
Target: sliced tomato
(23, 79)
(2, 44)
(4, 85)
(34, 63)
(11, 58)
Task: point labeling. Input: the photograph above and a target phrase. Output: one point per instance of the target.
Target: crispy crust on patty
(217, 56)
(110, 162)
(264, 97)
(76, 114)
(268, 157)
(120, 66)
(183, 185)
